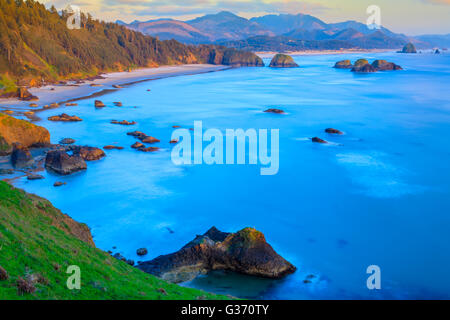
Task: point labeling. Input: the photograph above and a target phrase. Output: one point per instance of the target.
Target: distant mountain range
(274, 32)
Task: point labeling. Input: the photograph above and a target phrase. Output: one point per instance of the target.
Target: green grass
(37, 241)
(7, 84)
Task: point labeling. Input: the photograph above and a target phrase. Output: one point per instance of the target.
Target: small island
(409, 48)
(283, 61)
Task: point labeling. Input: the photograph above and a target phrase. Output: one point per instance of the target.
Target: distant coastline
(268, 54)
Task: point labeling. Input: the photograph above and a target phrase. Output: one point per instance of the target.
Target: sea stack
(245, 252)
(283, 61)
(343, 64)
(409, 48)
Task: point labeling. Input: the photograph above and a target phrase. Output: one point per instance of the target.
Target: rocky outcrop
(409, 48)
(367, 68)
(282, 61)
(21, 157)
(360, 63)
(99, 104)
(33, 176)
(235, 58)
(272, 110)
(28, 135)
(24, 95)
(65, 117)
(245, 252)
(148, 139)
(149, 149)
(343, 64)
(318, 140)
(141, 251)
(62, 163)
(383, 65)
(333, 131)
(123, 122)
(88, 153)
(112, 147)
(67, 141)
(137, 145)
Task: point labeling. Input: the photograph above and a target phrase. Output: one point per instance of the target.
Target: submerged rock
(59, 184)
(111, 147)
(124, 122)
(65, 117)
(437, 51)
(272, 110)
(35, 177)
(63, 163)
(149, 149)
(245, 252)
(343, 64)
(67, 141)
(141, 251)
(333, 131)
(6, 171)
(318, 140)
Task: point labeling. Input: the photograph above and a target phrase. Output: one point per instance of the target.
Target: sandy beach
(72, 92)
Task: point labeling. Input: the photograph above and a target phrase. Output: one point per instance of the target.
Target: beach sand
(70, 92)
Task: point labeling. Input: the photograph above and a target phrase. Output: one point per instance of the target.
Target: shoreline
(71, 92)
(269, 54)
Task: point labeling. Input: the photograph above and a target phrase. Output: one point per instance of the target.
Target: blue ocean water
(378, 195)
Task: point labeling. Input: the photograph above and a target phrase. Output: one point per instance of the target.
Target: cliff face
(13, 130)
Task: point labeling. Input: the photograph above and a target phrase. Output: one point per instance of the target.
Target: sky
(411, 17)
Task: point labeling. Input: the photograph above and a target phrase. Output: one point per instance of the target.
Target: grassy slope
(36, 239)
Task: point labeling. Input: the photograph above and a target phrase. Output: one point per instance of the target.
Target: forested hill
(36, 46)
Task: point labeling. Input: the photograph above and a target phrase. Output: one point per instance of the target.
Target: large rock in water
(28, 135)
(343, 64)
(235, 58)
(409, 48)
(63, 163)
(383, 65)
(88, 153)
(246, 252)
(21, 157)
(282, 61)
(367, 68)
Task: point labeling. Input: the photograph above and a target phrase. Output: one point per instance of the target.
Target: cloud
(118, 9)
